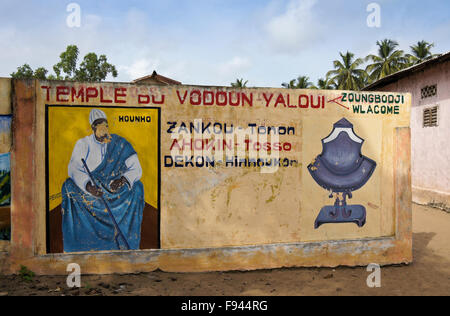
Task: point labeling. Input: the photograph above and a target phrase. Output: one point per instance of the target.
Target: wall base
(382, 251)
(431, 198)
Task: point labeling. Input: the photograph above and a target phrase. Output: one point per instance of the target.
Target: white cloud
(92, 21)
(140, 68)
(197, 44)
(176, 71)
(294, 28)
(235, 66)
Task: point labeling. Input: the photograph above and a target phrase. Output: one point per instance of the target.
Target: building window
(430, 117)
(429, 91)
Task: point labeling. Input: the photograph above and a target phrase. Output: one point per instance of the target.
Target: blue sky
(213, 42)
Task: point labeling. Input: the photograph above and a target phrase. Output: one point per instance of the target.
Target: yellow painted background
(66, 125)
(314, 130)
(218, 207)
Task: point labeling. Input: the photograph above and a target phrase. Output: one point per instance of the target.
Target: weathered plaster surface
(430, 145)
(226, 219)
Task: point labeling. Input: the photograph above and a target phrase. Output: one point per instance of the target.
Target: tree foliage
(23, 72)
(26, 72)
(239, 83)
(92, 68)
(67, 64)
(40, 73)
(326, 83)
(388, 61)
(349, 72)
(346, 72)
(302, 82)
(420, 52)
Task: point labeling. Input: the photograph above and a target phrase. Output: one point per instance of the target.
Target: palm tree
(302, 82)
(346, 73)
(240, 83)
(325, 84)
(388, 61)
(421, 52)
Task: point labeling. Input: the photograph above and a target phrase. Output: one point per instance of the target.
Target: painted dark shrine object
(342, 169)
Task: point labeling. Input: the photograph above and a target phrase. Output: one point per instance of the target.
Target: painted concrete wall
(223, 216)
(430, 145)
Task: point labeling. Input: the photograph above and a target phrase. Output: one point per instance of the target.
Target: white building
(429, 84)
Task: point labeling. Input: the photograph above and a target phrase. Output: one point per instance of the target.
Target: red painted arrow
(335, 101)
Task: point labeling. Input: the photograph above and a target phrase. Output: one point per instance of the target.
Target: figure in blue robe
(114, 164)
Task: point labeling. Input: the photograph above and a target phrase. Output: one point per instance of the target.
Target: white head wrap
(95, 115)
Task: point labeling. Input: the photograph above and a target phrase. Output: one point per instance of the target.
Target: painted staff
(116, 226)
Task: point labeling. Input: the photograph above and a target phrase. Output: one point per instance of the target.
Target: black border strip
(47, 201)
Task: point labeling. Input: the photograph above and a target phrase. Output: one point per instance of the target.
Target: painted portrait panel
(5, 177)
(102, 178)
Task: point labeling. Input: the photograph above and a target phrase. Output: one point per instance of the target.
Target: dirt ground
(428, 275)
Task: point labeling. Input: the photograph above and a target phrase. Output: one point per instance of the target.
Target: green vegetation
(240, 83)
(26, 274)
(325, 84)
(302, 82)
(349, 73)
(92, 68)
(346, 73)
(420, 52)
(388, 61)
